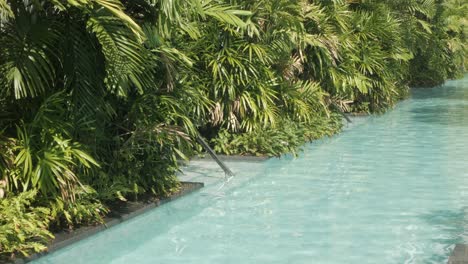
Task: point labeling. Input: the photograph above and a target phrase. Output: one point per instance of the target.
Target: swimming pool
(389, 189)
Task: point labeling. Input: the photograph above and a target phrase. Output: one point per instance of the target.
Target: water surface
(389, 189)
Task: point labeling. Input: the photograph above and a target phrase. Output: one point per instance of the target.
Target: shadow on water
(447, 92)
(450, 115)
(444, 105)
(453, 224)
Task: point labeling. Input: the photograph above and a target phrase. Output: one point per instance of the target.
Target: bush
(85, 210)
(287, 137)
(23, 228)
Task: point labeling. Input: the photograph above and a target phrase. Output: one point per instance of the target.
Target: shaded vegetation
(99, 99)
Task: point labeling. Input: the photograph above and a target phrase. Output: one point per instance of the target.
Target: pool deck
(459, 255)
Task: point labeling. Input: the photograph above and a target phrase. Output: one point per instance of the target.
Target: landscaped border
(131, 210)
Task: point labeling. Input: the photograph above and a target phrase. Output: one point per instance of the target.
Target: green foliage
(443, 55)
(100, 99)
(23, 228)
(43, 155)
(147, 161)
(85, 210)
(287, 137)
(268, 142)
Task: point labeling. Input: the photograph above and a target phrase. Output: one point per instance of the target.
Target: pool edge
(234, 158)
(459, 255)
(64, 239)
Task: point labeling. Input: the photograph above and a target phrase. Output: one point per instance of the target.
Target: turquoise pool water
(389, 189)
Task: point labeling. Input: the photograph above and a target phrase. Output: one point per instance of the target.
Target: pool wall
(130, 211)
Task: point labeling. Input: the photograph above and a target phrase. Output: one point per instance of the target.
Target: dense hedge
(100, 98)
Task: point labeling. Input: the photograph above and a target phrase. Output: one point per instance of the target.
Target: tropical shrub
(100, 99)
(270, 142)
(443, 54)
(42, 155)
(85, 210)
(23, 228)
(287, 137)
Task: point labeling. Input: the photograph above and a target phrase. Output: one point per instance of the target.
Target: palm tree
(57, 66)
(102, 79)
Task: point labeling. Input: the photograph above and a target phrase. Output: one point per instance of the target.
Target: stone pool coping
(131, 210)
(235, 158)
(459, 255)
(359, 114)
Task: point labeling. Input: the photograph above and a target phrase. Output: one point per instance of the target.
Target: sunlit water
(389, 189)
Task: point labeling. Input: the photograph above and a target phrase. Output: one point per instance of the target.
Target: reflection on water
(450, 92)
(453, 114)
(447, 105)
